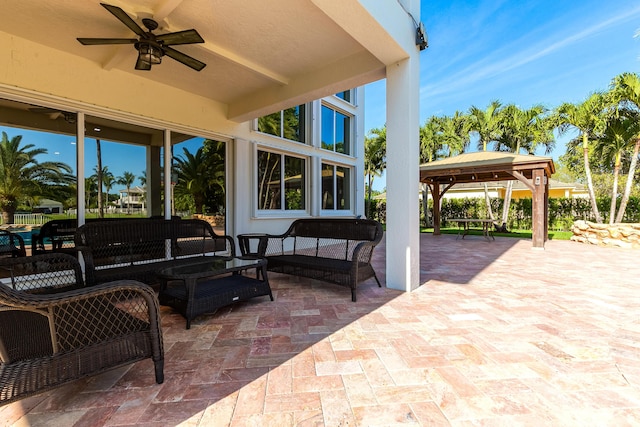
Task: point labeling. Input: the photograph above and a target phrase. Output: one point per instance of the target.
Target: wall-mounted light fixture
(422, 40)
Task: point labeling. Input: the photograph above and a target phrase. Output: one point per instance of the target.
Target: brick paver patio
(498, 334)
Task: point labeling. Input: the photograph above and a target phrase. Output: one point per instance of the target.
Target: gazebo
(485, 166)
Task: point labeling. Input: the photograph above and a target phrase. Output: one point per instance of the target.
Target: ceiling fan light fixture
(149, 54)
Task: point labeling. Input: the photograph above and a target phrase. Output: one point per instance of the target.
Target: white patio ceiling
(261, 55)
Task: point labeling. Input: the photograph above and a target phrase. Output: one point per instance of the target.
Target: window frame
(352, 96)
(350, 185)
(282, 212)
(305, 120)
(351, 134)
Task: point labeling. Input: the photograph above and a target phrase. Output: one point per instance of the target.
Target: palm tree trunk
(587, 170)
(425, 204)
(99, 177)
(507, 204)
(614, 191)
(488, 201)
(629, 185)
(368, 210)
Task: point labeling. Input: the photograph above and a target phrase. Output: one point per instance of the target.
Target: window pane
(269, 180)
(346, 95)
(343, 187)
(327, 138)
(343, 130)
(294, 180)
(327, 186)
(270, 124)
(293, 128)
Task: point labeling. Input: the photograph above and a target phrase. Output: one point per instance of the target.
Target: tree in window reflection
(200, 182)
(288, 124)
(279, 175)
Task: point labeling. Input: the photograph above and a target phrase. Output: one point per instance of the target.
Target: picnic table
(464, 225)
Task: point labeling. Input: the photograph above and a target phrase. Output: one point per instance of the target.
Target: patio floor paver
(498, 334)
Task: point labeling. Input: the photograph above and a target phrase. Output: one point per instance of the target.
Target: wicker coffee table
(205, 286)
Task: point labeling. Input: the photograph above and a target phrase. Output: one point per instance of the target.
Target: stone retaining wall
(619, 235)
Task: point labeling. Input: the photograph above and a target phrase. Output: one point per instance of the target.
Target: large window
(336, 187)
(281, 181)
(336, 131)
(288, 124)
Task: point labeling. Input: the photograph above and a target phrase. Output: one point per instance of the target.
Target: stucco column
(403, 174)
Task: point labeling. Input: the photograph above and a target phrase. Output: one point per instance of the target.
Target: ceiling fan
(54, 114)
(151, 47)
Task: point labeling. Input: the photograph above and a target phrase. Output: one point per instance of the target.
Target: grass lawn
(520, 234)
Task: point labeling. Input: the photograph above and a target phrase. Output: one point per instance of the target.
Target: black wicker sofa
(138, 249)
(335, 250)
(54, 329)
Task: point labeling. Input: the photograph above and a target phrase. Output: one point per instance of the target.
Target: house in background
(48, 206)
(301, 59)
(498, 189)
(132, 198)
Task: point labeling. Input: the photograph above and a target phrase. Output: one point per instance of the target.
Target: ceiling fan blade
(180, 37)
(142, 65)
(43, 110)
(94, 41)
(185, 59)
(124, 18)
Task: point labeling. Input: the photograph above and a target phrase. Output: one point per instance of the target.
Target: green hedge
(562, 212)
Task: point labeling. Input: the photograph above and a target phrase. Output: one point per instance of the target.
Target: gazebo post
(539, 208)
(435, 193)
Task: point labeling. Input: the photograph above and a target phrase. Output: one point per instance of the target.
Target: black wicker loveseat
(138, 249)
(335, 250)
(54, 330)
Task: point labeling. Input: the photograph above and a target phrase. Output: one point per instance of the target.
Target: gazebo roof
(483, 166)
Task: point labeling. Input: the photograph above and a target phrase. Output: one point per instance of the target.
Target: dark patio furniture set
(56, 326)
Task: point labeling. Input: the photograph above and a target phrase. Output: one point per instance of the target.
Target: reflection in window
(336, 131)
(280, 186)
(336, 187)
(346, 95)
(288, 124)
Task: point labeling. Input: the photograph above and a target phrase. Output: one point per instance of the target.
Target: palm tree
(619, 135)
(375, 147)
(625, 90)
(99, 178)
(193, 177)
(100, 182)
(587, 118)
(486, 125)
(431, 143)
(108, 180)
(127, 179)
(90, 187)
(455, 133)
(21, 175)
(522, 130)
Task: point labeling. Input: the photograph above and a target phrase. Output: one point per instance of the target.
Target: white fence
(31, 219)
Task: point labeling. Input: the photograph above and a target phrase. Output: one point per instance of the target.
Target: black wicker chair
(54, 330)
(55, 236)
(11, 245)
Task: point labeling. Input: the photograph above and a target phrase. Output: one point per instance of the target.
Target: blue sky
(525, 53)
